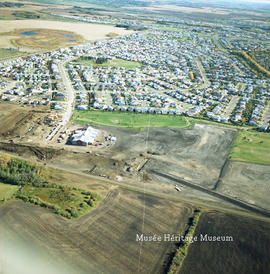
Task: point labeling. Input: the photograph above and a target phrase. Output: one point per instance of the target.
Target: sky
(255, 1)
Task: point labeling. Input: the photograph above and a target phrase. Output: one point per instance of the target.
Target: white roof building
(84, 137)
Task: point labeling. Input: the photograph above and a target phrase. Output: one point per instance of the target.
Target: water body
(68, 35)
(28, 33)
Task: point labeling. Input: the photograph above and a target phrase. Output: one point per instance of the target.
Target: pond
(28, 33)
(68, 35)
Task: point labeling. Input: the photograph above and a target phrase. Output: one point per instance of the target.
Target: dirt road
(69, 107)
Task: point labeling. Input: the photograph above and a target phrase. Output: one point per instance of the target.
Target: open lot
(252, 147)
(103, 240)
(128, 120)
(247, 253)
(195, 154)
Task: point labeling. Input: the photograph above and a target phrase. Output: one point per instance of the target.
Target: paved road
(231, 106)
(206, 82)
(70, 93)
(266, 116)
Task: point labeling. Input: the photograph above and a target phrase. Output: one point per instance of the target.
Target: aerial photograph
(134, 136)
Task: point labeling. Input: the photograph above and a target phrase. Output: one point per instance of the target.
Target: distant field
(6, 191)
(252, 147)
(184, 9)
(88, 31)
(129, 120)
(111, 63)
(49, 33)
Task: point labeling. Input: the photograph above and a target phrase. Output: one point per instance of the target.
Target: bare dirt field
(195, 154)
(247, 182)
(103, 241)
(15, 120)
(248, 253)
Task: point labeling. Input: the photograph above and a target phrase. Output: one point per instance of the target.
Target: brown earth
(103, 240)
(16, 120)
(196, 154)
(249, 251)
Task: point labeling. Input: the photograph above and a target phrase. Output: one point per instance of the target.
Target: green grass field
(111, 63)
(65, 201)
(129, 120)
(252, 147)
(7, 191)
(7, 54)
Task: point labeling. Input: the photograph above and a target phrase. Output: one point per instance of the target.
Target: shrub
(181, 252)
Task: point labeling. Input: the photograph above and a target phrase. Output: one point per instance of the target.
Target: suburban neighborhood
(182, 69)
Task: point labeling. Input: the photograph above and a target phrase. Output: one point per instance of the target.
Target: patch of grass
(7, 191)
(168, 28)
(10, 5)
(252, 147)
(129, 120)
(26, 14)
(112, 34)
(111, 63)
(69, 202)
(30, 183)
